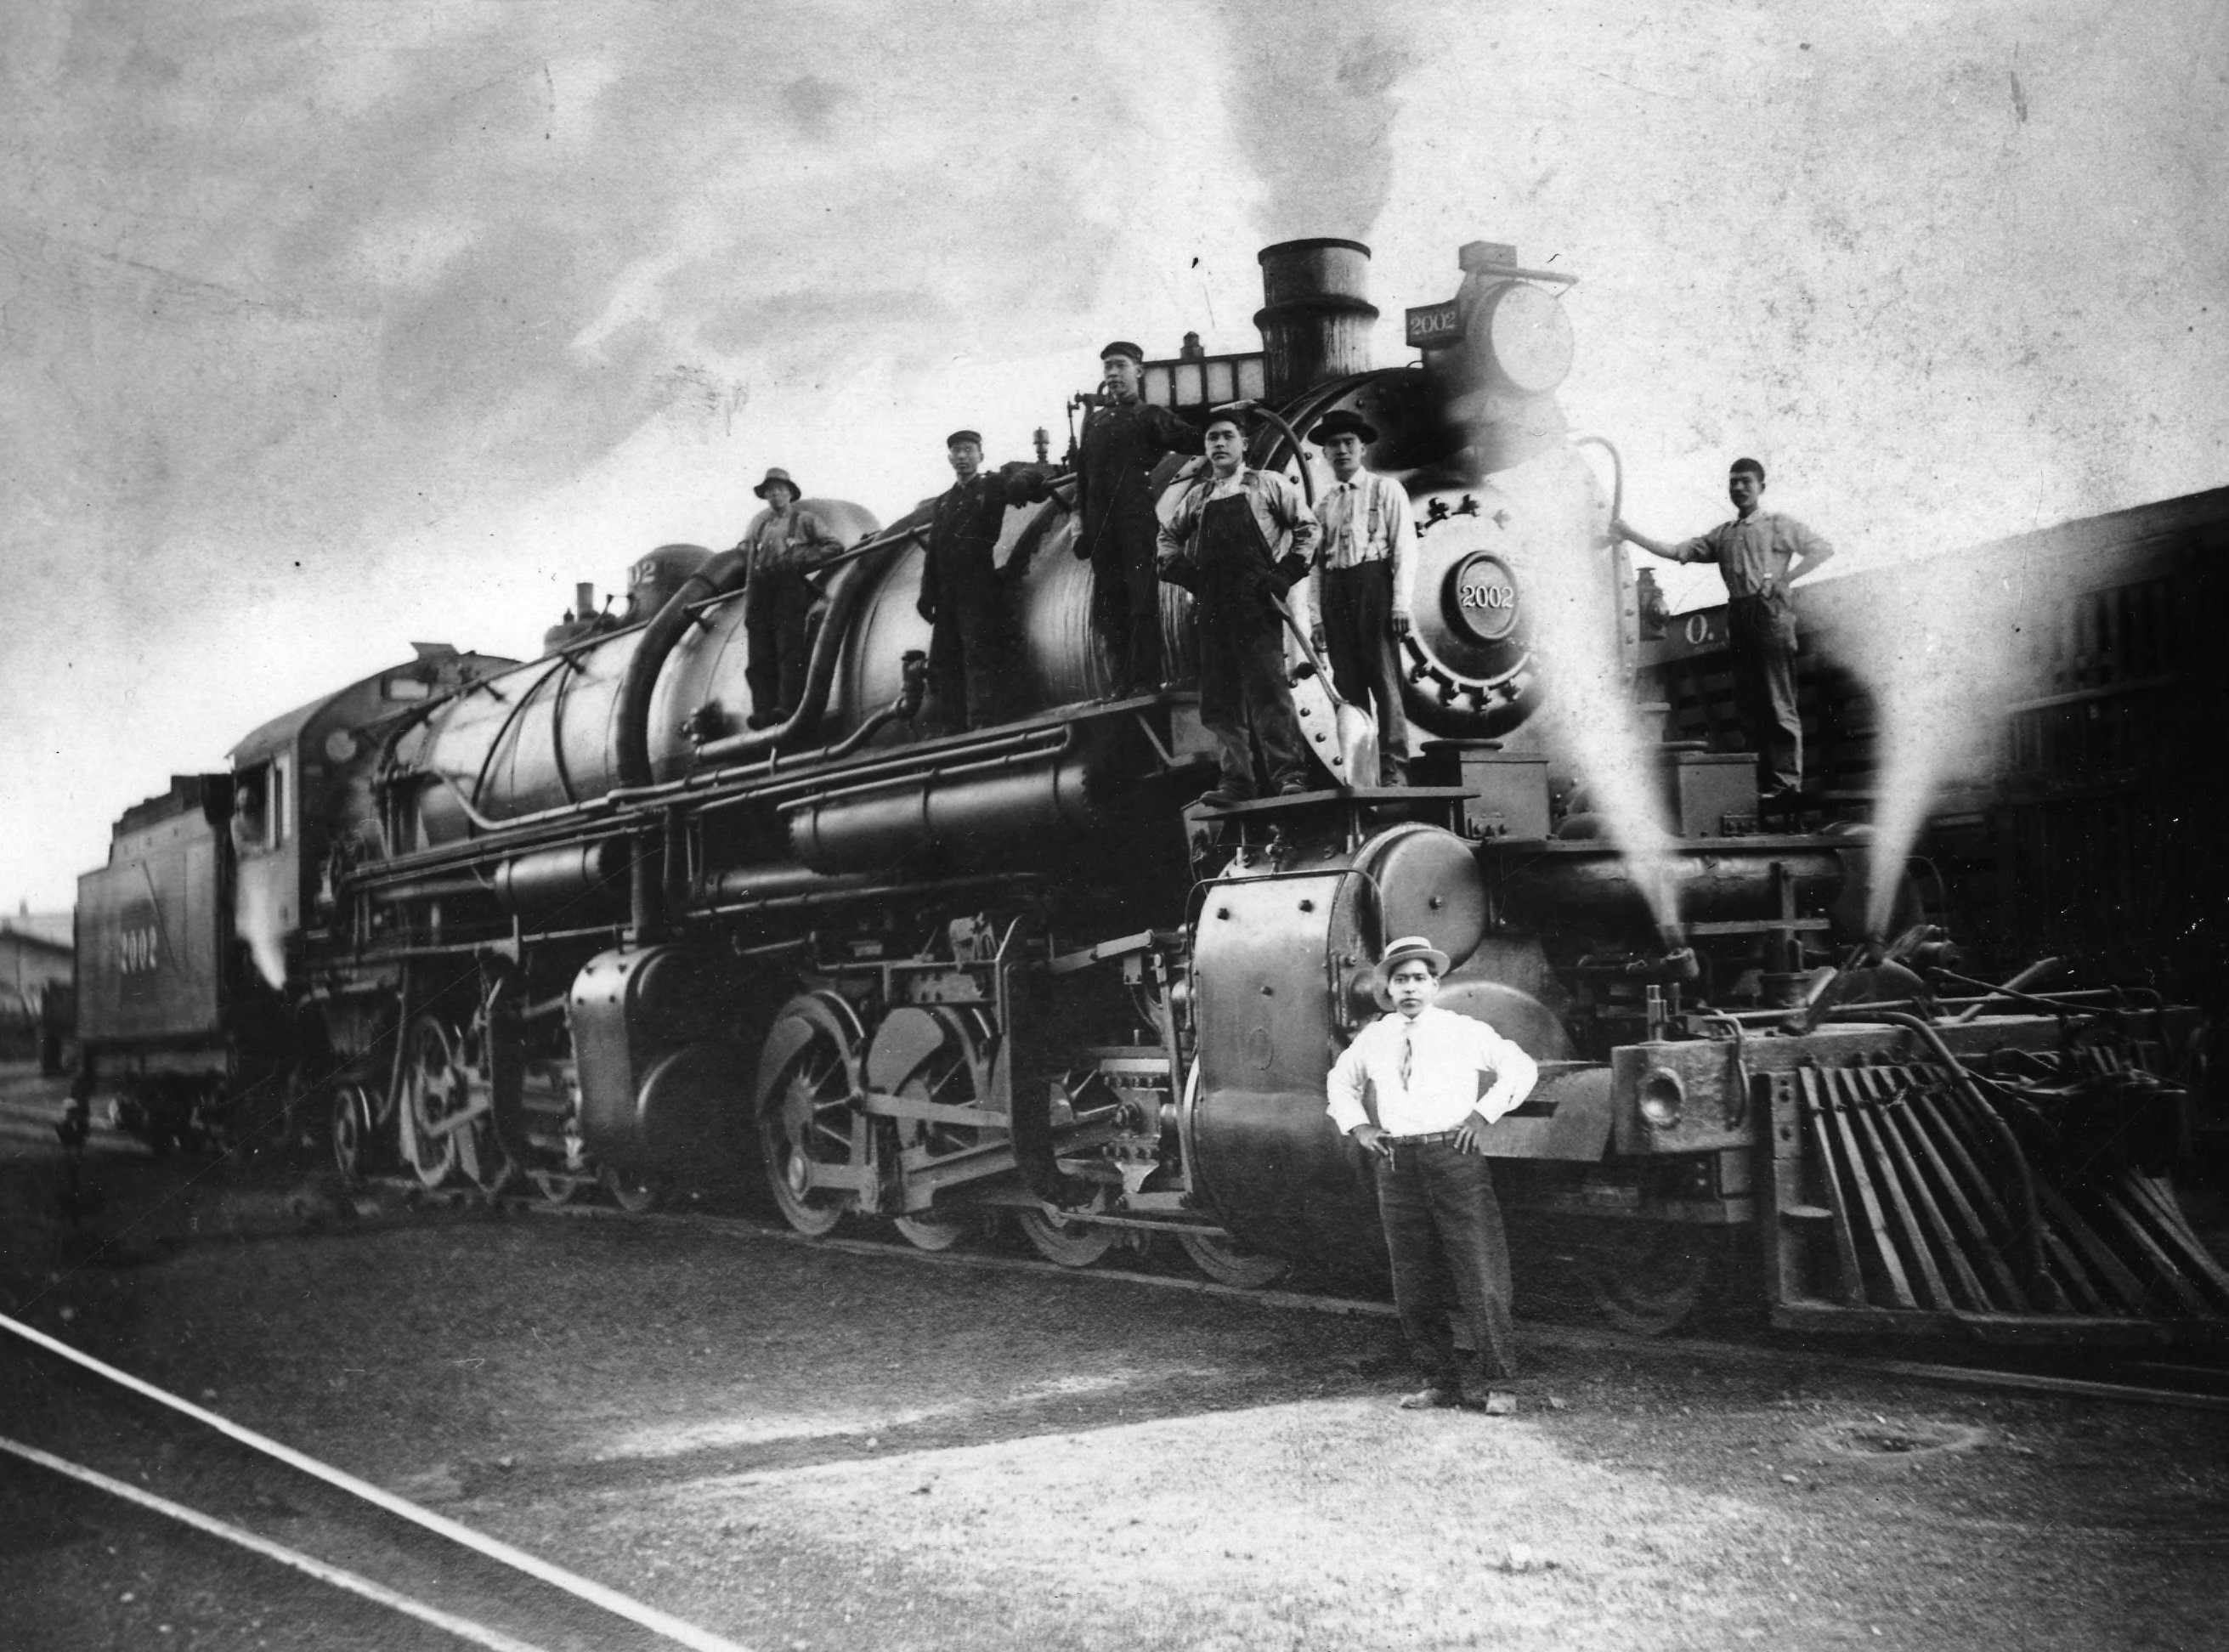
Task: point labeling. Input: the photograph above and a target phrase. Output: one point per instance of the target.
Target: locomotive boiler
(571, 919)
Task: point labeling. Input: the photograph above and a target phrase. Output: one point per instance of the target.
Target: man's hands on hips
(1373, 1139)
(1470, 1136)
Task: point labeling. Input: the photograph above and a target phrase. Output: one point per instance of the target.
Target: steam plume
(1942, 654)
(1310, 91)
(1570, 605)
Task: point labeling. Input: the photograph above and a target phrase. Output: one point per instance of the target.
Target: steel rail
(620, 1605)
(1569, 1336)
(464, 1629)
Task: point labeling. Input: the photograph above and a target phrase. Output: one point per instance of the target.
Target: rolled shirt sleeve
(1514, 1074)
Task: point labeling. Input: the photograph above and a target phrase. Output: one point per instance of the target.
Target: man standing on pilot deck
(1361, 583)
(1761, 554)
(1122, 442)
(1439, 1079)
(1239, 539)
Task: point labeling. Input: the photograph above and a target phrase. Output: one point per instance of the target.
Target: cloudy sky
(329, 327)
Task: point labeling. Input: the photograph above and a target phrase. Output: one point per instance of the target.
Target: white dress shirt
(1365, 519)
(1447, 1055)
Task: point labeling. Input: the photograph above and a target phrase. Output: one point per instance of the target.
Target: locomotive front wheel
(433, 1092)
(808, 1130)
(348, 1131)
(558, 1187)
(1225, 1261)
(1067, 1240)
(928, 1232)
(1651, 1278)
(634, 1192)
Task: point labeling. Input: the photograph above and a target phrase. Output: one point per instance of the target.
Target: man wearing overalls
(1239, 539)
(784, 541)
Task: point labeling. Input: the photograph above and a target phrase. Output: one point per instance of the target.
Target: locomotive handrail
(843, 595)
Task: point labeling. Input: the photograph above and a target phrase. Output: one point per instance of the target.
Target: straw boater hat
(778, 474)
(1407, 949)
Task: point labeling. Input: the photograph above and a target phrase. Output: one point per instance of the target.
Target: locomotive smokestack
(1315, 313)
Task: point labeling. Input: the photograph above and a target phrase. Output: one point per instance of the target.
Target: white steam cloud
(1942, 652)
(1571, 606)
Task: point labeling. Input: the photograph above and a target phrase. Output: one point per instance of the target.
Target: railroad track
(483, 1575)
(2143, 1381)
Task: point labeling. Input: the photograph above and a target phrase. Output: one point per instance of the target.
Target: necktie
(1407, 1055)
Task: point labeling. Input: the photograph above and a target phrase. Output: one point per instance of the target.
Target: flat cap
(959, 436)
(1123, 347)
(1343, 422)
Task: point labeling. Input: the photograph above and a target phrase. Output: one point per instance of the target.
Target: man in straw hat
(1438, 1080)
(1361, 583)
(784, 541)
(1123, 439)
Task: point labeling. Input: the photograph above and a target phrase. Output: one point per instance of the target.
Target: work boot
(1292, 789)
(1220, 799)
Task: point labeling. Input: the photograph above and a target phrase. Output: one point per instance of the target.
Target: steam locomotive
(570, 921)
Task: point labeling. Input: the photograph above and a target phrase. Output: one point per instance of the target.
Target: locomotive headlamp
(1519, 334)
(1481, 597)
(1663, 1098)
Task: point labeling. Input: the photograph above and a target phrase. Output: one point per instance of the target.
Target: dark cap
(959, 436)
(776, 475)
(1123, 347)
(1344, 422)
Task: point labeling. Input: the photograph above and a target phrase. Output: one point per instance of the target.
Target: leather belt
(1424, 1140)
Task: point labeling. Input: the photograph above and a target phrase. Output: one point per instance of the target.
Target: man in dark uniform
(784, 541)
(1239, 539)
(1761, 554)
(1122, 442)
(971, 652)
(1361, 583)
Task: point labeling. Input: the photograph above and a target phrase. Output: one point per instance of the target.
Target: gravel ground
(810, 1449)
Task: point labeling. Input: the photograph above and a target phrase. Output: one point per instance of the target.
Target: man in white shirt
(1438, 1080)
(1361, 583)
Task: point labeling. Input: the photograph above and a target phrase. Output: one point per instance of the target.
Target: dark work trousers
(1358, 627)
(970, 651)
(1761, 637)
(775, 604)
(1126, 599)
(1242, 656)
(1443, 1228)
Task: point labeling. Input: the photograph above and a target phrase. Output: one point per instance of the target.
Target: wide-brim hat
(777, 474)
(1407, 949)
(1343, 423)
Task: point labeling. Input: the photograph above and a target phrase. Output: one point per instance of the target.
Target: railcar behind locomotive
(572, 919)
